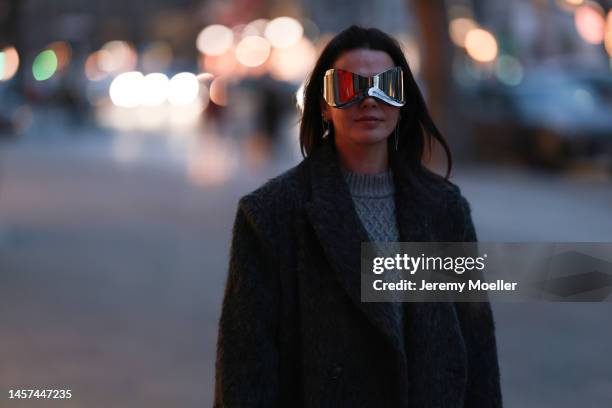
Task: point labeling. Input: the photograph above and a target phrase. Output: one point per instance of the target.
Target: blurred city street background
(129, 130)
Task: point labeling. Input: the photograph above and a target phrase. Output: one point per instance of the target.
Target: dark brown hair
(416, 125)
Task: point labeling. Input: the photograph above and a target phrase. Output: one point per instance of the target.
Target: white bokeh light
(119, 56)
(253, 51)
(215, 39)
(126, 89)
(481, 45)
(283, 32)
(155, 89)
(183, 89)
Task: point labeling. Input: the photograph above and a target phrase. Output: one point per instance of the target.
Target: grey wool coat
(293, 331)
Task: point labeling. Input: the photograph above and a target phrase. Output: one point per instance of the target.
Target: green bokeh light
(1, 65)
(45, 65)
(509, 70)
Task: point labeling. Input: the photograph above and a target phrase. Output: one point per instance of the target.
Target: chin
(369, 137)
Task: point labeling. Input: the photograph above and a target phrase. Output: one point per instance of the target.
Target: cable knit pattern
(374, 199)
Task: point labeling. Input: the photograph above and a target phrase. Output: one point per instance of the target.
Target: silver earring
(396, 132)
(325, 128)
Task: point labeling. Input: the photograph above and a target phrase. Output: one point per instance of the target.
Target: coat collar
(333, 216)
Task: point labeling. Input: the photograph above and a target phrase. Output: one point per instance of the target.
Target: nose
(369, 102)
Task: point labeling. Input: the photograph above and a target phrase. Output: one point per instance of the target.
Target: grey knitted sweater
(374, 199)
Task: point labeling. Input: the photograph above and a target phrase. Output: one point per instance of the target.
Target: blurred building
(96, 21)
(391, 15)
(542, 32)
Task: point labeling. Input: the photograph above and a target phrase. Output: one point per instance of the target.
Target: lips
(368, 119)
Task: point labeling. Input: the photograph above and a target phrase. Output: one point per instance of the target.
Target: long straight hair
(416, 127)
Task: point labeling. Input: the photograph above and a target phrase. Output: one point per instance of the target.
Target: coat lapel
(432, 329)
(333, 216)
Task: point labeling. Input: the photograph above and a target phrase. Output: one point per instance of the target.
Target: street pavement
(113, 259)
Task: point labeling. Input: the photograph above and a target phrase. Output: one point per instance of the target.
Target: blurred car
(550, 120)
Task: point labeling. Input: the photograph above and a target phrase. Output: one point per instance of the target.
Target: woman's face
(370, 121)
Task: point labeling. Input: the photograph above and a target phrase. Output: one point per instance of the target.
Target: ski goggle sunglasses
(343, 88)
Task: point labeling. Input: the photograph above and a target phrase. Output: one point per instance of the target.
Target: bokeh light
(224, 64)
(126, 89)
(45, 65)
(608, 36)
(92, 70)
(183, 89)
(589, 21)
(509, 70)
(283, 32)
(459, 28)
(63, 52)
(9, 63)
(155, 89)
(215, 39)
(119, 57)
(293, 63)
(218, 91)
(584, 99)
(253, 51)
(481, 45)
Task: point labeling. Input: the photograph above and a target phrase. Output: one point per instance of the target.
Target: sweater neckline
(373, 185)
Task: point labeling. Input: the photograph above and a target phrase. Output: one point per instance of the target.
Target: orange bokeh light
(589, 22)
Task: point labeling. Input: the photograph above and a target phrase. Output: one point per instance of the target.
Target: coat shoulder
(453, 204)
(439, 188)
(275, 201)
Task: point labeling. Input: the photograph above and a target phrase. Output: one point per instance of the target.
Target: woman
(293, 330)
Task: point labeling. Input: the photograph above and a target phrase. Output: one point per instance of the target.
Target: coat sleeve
(247, 359)
(478, 329)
